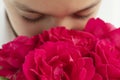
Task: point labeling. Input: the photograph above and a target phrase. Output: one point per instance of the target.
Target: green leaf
(2, 78)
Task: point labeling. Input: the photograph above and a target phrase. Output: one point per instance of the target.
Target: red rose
(107, 56)
(84, 41)
(61, 54)
(98, 27)
(12, 57)
(107, 60)
(107, 50)
(58, 61)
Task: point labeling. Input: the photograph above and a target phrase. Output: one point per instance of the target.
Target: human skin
(31, 17)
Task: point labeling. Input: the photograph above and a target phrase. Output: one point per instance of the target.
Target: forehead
(56, 6)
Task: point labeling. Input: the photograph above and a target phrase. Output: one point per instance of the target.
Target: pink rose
(58, 61)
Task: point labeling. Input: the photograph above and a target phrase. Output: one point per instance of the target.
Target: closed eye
(33, 20)
(79, 16)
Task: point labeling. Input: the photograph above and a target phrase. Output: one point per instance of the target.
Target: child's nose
(66, 22)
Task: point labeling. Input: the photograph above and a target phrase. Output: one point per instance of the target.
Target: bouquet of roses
(61, 54)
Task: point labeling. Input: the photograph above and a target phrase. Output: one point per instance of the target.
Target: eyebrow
(27, 9)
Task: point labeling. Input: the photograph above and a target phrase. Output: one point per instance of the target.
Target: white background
(110, 11)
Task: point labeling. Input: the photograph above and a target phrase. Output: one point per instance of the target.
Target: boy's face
(30, 17)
